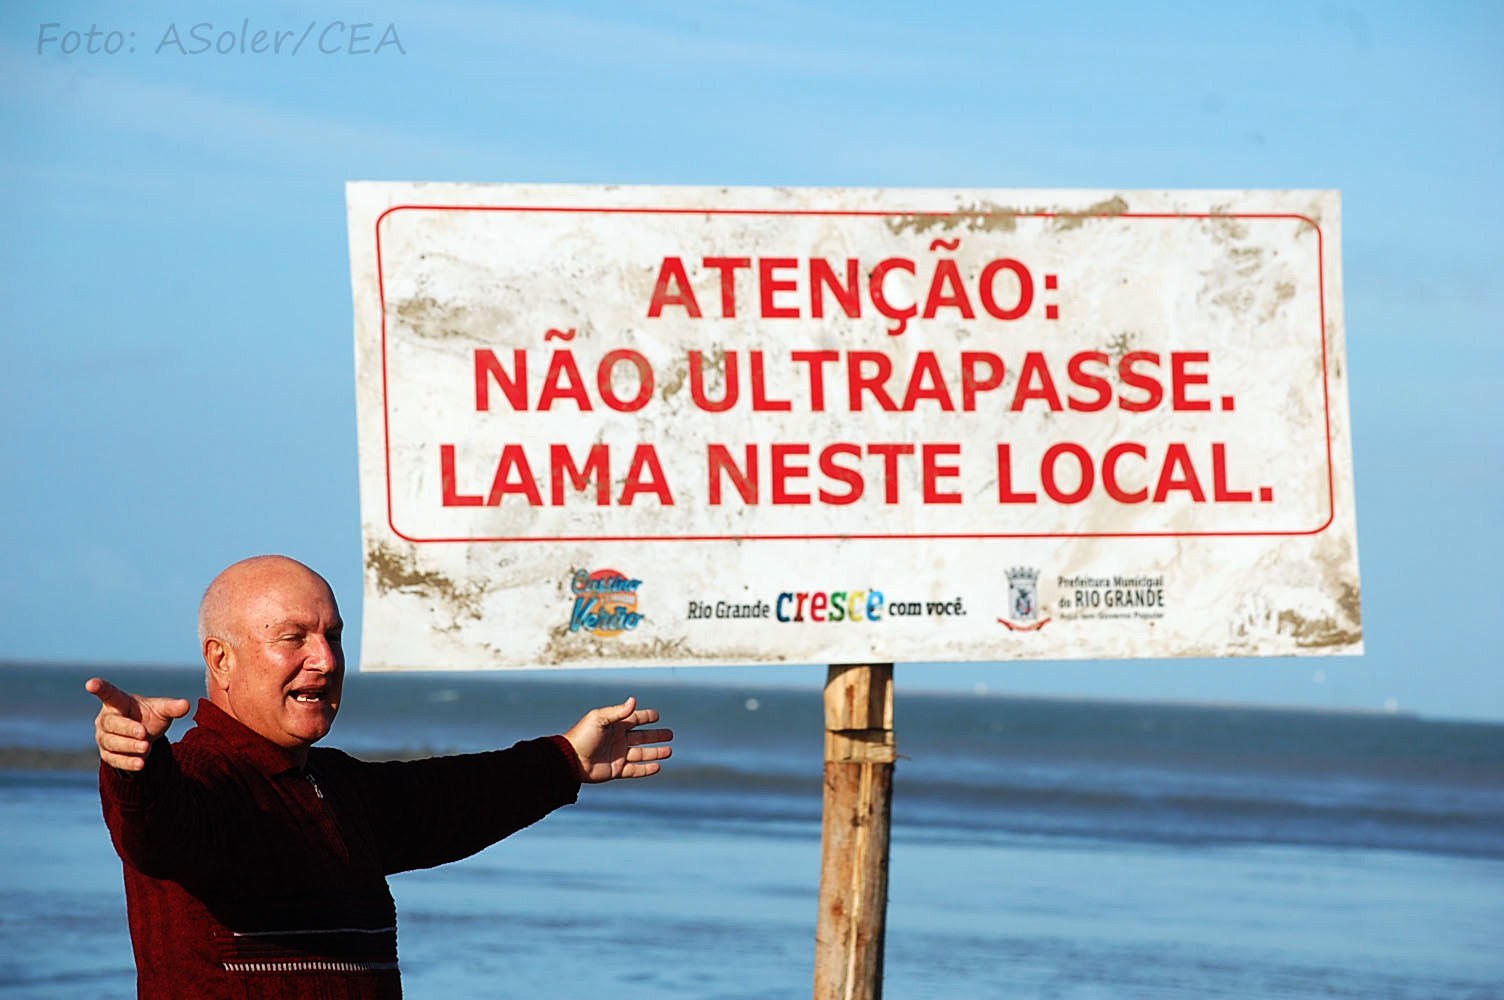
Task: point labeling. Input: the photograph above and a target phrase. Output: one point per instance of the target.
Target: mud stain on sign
(1245, 283)
(1224, 226)
(984, 217)
(565, 646)
(394, 571)
(976, 218)
(1065, 221)
(435, 320)
(1351, 604)
(1316, 633)
(674, 381)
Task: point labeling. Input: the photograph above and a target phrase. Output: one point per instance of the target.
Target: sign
(606, 426)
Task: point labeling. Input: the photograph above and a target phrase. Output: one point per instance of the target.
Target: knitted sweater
(246, 876)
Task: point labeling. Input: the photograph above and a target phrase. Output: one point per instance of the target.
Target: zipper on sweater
(329, 817)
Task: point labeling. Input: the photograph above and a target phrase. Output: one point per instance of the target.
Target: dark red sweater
(246, 876)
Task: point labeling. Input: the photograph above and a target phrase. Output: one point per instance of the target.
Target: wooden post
(859, 754)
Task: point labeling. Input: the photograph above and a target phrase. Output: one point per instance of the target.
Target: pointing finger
(111, 696)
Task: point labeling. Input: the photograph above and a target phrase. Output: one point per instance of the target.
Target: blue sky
(177, 386)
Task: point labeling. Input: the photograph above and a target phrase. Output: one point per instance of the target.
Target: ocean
(1040, 848)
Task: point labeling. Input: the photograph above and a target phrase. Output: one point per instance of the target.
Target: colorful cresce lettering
(854, 606)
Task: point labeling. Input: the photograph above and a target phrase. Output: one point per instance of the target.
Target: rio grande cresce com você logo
(605, 602)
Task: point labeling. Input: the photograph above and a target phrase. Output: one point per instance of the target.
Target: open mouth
(309, 697)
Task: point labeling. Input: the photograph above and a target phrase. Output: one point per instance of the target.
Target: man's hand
(610, 745)
(128, 723)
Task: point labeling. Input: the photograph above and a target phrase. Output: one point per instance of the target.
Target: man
(255, 863)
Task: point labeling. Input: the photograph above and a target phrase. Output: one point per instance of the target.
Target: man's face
(287, 668)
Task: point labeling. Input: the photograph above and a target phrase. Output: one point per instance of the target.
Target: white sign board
(607, 426)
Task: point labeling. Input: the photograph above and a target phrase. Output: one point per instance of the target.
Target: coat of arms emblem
(1023, 600)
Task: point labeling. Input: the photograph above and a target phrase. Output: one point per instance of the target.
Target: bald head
(219, 613)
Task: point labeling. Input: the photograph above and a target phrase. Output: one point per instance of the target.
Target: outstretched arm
(127, 724)
(156, 817)
(610, 745)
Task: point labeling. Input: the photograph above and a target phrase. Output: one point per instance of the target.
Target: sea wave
(1186, 808)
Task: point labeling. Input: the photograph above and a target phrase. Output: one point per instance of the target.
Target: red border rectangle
(1288, 216)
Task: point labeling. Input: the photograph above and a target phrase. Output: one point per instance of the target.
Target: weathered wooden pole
(859, 754)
